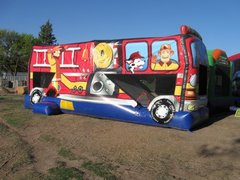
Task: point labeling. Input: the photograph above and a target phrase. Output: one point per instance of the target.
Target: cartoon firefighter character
(53, 59)
(166, 63)
(135, 62)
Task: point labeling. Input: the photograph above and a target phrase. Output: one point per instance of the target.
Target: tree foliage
(15, 50)
(46, 36)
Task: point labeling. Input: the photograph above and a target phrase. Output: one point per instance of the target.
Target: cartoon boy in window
(165, 63)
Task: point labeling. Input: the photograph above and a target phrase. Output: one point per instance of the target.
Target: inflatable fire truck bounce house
(160, 81)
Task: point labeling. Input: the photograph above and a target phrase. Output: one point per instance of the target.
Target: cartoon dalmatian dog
(135, 62)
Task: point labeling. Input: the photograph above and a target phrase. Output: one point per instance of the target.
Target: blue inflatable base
(47, 108)
(27, 102)
(182, 120)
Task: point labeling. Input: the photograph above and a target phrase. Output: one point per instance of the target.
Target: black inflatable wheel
(162, 111)
(36, 96)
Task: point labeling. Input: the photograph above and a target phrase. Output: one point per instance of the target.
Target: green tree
(15, 51)
(46, 36)
(24, 46)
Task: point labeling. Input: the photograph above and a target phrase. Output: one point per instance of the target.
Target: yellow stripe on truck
(178, 90)
(71, 84)
(31, 75)
(68, 105)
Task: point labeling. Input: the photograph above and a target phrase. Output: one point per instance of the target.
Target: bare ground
(130, 151)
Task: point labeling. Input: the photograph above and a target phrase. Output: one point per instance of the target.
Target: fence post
(1, 79)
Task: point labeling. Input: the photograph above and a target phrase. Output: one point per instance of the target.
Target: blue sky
(218, 22)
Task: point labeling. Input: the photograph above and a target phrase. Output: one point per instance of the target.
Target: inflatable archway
(235, 59)
(220, 81)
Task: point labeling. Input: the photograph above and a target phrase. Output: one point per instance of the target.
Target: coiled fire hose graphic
(102, 55)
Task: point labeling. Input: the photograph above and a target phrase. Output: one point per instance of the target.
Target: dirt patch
(16, 159)
(105, 149)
